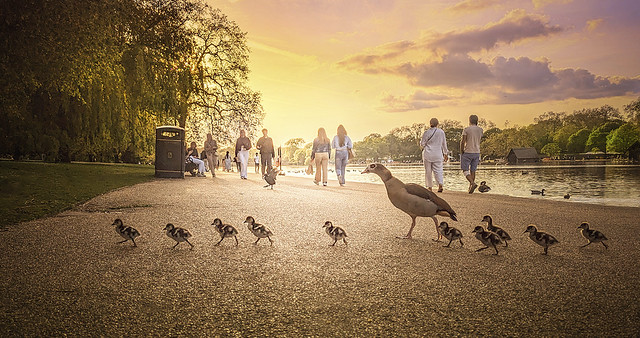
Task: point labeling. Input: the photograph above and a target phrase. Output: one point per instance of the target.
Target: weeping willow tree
(90, 80)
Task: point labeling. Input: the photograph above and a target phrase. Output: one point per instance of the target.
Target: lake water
(599, 184)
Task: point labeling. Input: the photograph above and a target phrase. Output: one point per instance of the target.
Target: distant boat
(537, 192)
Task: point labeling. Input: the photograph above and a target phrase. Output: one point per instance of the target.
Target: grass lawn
(29, 190)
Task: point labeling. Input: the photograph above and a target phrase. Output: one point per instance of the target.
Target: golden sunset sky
(375, 65)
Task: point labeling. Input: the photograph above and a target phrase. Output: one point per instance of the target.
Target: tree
(622, 138)
(453, 132)
(370, 148)
(498, 144)
(561, 136)
(90, 80)
(551, 149)
(406, 142)
(577, 141)
(486, 124)
(598, 137)
(447, 124)
(290, 148)
(633, 111)
(593, 117)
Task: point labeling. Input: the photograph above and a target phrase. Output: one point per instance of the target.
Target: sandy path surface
(66, 274)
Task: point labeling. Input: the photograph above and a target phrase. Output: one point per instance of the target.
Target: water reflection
(600, 184)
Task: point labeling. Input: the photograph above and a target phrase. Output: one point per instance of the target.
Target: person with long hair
(320, 153)
(227, 162)
(434, 152)
(243, 144)
(342, 144)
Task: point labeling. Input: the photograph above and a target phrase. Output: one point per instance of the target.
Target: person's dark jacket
(242, 141)
(265, 144)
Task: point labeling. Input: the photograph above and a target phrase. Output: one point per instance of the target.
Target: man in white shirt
(470, 151)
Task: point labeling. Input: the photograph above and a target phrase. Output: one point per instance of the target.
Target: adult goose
(413, 199)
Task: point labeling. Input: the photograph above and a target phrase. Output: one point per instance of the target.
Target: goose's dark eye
(372, 166)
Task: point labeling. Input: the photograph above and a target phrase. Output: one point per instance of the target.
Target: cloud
(370, 62)
(453, 71)
(562, 84)
(292, 57)
(521, 73)
(443, 61)
(592, 25)
(505, 80)
(472, 5)
(416, 101)
(537, 4)
(517, 25)
(513, 27)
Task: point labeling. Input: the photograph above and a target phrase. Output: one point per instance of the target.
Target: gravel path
(65, 275)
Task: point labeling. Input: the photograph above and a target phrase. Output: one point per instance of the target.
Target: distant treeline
(603, 129)
(90, 80)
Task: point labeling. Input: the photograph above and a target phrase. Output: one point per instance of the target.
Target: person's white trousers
(199, 163)
(433, 168)
(244, 161)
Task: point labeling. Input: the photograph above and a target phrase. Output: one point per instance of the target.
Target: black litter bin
(170, 148)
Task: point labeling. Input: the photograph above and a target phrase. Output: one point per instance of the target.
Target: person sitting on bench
(192, 155)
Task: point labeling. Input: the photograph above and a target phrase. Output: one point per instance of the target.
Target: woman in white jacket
(434, 153)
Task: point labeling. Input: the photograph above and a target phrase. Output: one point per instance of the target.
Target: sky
(373, 65)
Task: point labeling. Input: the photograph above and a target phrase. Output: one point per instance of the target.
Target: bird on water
(484, 187)
(537, 192)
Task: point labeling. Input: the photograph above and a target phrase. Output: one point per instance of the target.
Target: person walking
(470, 151)
(434, 152)
(267, 152)
(192, 155)
(342, 144)
(227, 162)
(256, 161)
(320, 153)
(211, 147)
(243, 144)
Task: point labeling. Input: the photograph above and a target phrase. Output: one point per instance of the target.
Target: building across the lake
(634, 152)
(523, 155)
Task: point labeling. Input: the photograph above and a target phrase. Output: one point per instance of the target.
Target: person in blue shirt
(342, 144)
